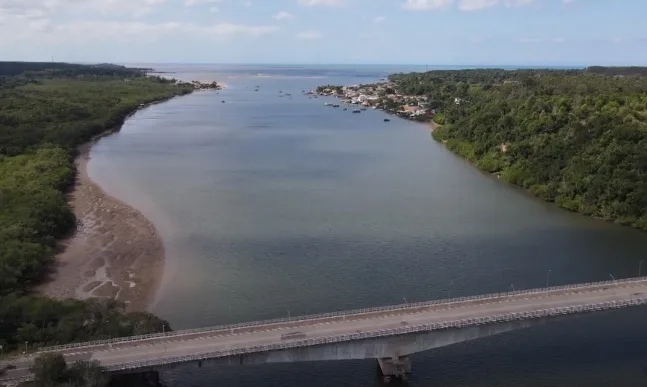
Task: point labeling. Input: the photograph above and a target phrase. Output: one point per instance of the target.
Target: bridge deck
(180, 344)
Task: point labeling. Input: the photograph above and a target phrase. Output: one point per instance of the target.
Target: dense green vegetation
(45, 113)
(51, 370)
(34, 68)
(336, 88)
(577, 137)
(622, 71)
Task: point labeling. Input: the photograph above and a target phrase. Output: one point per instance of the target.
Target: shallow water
(272, 205)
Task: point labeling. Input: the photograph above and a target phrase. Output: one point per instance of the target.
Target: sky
(432, 32)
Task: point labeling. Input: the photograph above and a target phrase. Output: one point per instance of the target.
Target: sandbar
(115, 252)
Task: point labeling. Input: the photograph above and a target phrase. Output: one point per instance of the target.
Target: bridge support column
(398, 367)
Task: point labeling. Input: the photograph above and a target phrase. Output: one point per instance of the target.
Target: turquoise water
(272, 205)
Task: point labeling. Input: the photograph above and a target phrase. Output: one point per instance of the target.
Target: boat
(327, 104)
(357, 111)
(387, 119)
(335, 105)
(223, 101)
(363, 108)
(345, 108)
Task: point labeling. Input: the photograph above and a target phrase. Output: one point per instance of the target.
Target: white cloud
(473, 5)
(307, 35)
(18, 31)
(426, 4)
(379, 19)
(128, 29)
(282, 15)
(133, 7)
(69, 22)
(529, 40)
(321, 2)
(518, 3)
(195, 2)
(463, 5)
(51, 7)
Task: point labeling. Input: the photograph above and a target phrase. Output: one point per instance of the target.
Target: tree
(49, 369)
(575, 137)
(46, 111)
(87, 374)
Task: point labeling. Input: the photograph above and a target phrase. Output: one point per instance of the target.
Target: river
(272, 206)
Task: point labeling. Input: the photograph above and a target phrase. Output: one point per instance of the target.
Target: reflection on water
(272, 205)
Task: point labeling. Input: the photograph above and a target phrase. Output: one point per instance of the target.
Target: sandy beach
(115, 251)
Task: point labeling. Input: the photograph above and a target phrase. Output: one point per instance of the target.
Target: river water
(272, 206)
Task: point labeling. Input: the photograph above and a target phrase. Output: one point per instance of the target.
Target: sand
(115, 251)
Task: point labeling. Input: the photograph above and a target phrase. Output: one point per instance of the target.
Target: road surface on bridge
(193, 343)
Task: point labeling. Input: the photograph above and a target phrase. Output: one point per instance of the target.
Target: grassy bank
(45, 114)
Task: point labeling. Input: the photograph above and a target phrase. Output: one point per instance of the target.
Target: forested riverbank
(46, 112)
(574, 137)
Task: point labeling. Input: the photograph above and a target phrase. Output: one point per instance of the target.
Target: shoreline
(114, 252)
(409, 107)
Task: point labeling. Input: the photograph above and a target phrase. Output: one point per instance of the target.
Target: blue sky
(434, 32)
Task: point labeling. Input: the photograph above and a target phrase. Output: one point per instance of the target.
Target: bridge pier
(140, 379)
(397, 367)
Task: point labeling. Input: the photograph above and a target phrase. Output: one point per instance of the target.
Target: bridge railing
(387, 308)
(462, 323)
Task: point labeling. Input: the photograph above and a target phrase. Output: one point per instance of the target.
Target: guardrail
(386, 308)
(381, 333)
(19, 380)
(462, 323)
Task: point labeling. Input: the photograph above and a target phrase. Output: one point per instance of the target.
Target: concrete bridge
(389, 334)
